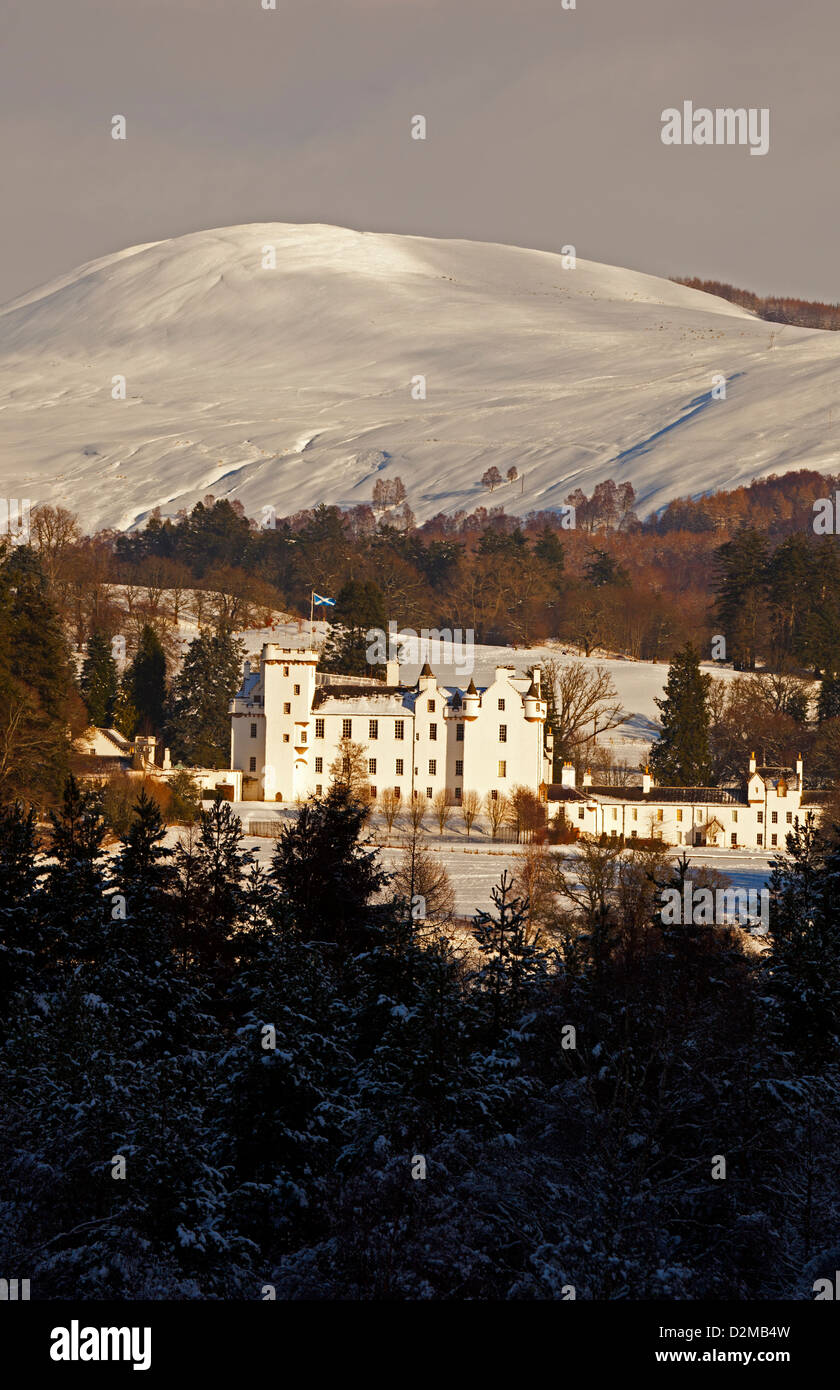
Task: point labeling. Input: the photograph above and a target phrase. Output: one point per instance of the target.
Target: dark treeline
(802, 313)
(611, 581)
(216, 1079)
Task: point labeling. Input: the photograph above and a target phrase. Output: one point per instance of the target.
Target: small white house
(757, 815)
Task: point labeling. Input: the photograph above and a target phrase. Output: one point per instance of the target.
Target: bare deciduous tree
(350, 769)
(390, 806)
(442, 809)
(422, 881)
(470, 807)
(497, 810)
(585, 703)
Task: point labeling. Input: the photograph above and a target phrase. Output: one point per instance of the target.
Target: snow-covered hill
(291, 386)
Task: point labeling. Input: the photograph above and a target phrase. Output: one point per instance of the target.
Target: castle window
(397, 792)
(433, 767)
(760, 817)
(252, 765)
(399, 728)
(679, 815)
(285, 670)
(774, 817)
(372, 766)
(633, 834)
(659, 814)
(287, 709)
(399, 767)
(253, 731)
(430, 706)
(503, 769)
(285, 738)
(373, 728)
(297, 689)
(581, 813)
(346, 728)
(459, 767)
(774, 839)
(789, 817)
(319, 764)
(433, 732)
(318, 788)
(429, 793)
(373, 793)
(319, 728)
(759, 839)
(501, 704)
(503, 733)
(734, 816)
(459, 733)
(303, 735)
(494, 795)
(733, 838)
(457, 793)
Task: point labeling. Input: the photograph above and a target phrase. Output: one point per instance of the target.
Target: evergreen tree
(75, 880)
(146, 681)
(98, 681)
(681, 756)
(211, 863)
(828, 702)
(741, 585)
(142, 868)
(199, 722)
(803, 964)
(40, 707)
(549, 548)
(603, 569)
(360, 608)
(19, 901)
(326, 874)
(124, 714)
(790, 579)
(510, 960)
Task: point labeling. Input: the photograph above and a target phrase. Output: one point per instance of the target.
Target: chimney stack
(647, 782)
(567, 776)
(392, 673)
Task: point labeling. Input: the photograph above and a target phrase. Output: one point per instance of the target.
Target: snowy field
(477, 864)
(359, 355)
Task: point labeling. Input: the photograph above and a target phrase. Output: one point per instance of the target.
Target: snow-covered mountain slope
(290, 386)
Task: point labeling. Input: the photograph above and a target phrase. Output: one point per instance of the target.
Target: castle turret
(534, 708)
(471, 701)
(426, 678)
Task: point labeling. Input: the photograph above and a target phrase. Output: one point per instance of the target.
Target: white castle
(288, 720)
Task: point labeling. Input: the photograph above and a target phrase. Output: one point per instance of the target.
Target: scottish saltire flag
(317, 598)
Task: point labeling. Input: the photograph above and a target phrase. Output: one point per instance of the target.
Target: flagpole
(311, 616)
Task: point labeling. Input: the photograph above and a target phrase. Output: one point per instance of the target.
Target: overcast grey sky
(543, 128)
